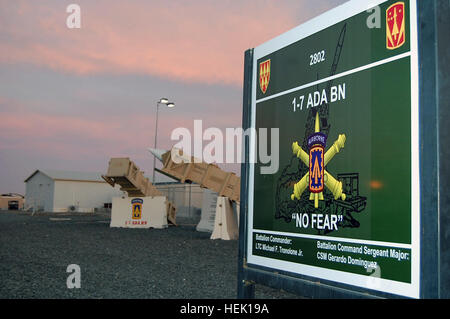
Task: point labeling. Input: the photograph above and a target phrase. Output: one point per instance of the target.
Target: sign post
(353, 210)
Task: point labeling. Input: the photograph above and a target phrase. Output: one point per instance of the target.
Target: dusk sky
(71, 99)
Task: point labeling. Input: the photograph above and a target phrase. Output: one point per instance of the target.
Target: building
(11, 201)
(67, 191)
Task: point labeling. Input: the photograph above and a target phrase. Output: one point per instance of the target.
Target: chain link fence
(186, 197)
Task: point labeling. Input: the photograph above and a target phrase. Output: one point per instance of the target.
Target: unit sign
(344, 204)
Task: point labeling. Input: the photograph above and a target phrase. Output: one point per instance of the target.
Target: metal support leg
(246, 289)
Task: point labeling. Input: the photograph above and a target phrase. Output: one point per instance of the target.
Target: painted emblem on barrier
(395, 26)
(136, 208)
(317, 177)
(264, 75)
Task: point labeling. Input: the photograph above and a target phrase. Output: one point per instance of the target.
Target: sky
(70, 99)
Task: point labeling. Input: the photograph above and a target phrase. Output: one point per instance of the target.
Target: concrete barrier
(139, 212)
(226, 221)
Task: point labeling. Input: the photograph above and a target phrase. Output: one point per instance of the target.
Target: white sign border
(330, 18)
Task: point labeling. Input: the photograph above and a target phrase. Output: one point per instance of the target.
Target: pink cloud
(71, 138)
(189, 41)
(58, 135)
(66, 136)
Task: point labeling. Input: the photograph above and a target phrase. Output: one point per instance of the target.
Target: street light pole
(170, 105)
(156, 137)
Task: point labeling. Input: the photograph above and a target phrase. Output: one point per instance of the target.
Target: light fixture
(166, 102)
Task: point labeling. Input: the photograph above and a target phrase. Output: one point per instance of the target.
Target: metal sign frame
(433, 108)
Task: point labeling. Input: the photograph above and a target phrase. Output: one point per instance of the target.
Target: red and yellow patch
(395, 26)
(264, 75)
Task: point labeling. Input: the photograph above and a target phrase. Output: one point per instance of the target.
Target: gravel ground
(177, 262)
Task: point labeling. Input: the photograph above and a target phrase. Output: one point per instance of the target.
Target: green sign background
(376, 119)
